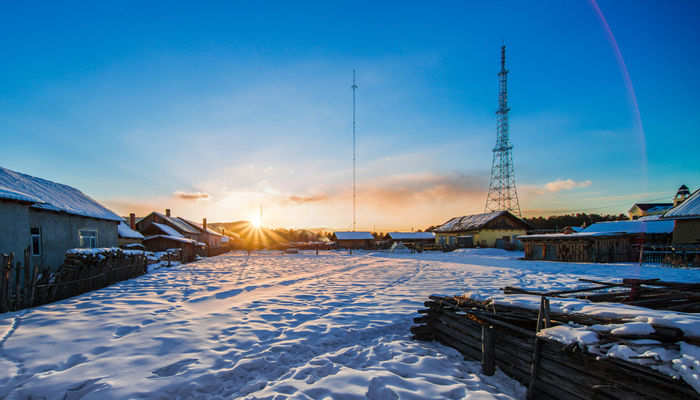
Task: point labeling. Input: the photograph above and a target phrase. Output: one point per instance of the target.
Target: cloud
(192, 195)
(568, 184)
(308, 199)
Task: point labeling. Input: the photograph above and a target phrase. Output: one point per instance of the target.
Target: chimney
(167, 212)
(132, 221)
(204, 224)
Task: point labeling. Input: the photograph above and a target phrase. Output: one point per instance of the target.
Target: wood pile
(506, 336)
(23, 287)
(649, 293)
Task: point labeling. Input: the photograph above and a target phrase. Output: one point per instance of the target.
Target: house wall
(354, 244)
(14, 228)
(600, 250)
(59, 232)
(483, 237)
(686, 231)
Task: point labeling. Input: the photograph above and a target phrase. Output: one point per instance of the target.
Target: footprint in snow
(125, 330)
(176, 368)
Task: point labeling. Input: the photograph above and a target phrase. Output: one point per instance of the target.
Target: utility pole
(354, 86)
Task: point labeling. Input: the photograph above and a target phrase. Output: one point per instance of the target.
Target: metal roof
(411, 235)
(471, 222)
(353, 235)
(690, 208)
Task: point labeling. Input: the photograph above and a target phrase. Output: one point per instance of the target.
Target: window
(36, 241)
(88, 238)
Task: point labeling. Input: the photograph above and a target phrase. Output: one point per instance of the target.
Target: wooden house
(47, 218)
(686, 217)
(353, 240)
(182, 227)
(487, 229)
(212, 239)
(602, 242)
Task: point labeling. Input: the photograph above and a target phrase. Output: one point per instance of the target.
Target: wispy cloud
(192, 195)
(568, 184)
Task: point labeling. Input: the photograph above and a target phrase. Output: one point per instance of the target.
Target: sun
(255, 222)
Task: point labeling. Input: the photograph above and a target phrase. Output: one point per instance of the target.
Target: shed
(212, 238)
(686, 217)
(158, 243)
(353, 240)
(128, 236)
(49, 218)
(486, 229)
(414, 238)
(601, 242)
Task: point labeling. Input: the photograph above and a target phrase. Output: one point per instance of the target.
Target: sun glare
(255, 222)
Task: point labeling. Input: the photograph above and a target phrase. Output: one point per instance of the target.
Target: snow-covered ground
(273, 326)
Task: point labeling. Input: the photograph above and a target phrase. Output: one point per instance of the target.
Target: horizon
(215, 111)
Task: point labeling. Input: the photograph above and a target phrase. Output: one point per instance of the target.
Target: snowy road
(292, 326)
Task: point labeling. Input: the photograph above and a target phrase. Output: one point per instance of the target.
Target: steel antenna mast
(354, 86)
(502, 193)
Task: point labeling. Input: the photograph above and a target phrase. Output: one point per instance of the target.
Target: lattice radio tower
(502, 194)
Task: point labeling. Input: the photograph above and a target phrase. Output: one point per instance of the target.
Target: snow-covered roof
(179, 225)
(690, 208)
(353, 235)
(168, 230)
(470, 222)
(631, 226)
(199, 227)
(411, 235)
(125, 232)
(48, 195)
(179, 239)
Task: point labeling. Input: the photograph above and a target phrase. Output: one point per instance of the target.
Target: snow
(690, 208)
(569, 334)
(50, 195)
(631, 226)
(292, 326)
(353, 235)
(411, 235)
(168, 230)
(125, 232)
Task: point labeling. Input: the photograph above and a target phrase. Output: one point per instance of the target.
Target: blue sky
(247, 103)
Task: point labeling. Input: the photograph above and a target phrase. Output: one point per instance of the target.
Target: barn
(49, 218)
(353, 240)
(493, 229)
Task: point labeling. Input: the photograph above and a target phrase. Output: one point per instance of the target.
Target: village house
(128, 236)
(161, 237)
(493, 229)
(415, 239)
(602, 242)
(182, 227)
(49, 218)
(211, 238)
(639, 210)
(353, 240)
(686, 217)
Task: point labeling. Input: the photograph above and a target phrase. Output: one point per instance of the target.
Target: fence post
(543, 321)
(27, 277)
(488, 351)
(4, 284)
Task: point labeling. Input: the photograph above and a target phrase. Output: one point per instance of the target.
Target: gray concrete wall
(59, 232)
(14, 229)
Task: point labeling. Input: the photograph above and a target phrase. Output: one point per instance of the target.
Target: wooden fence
(675, 255)
(506, 336)
(22, 286)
